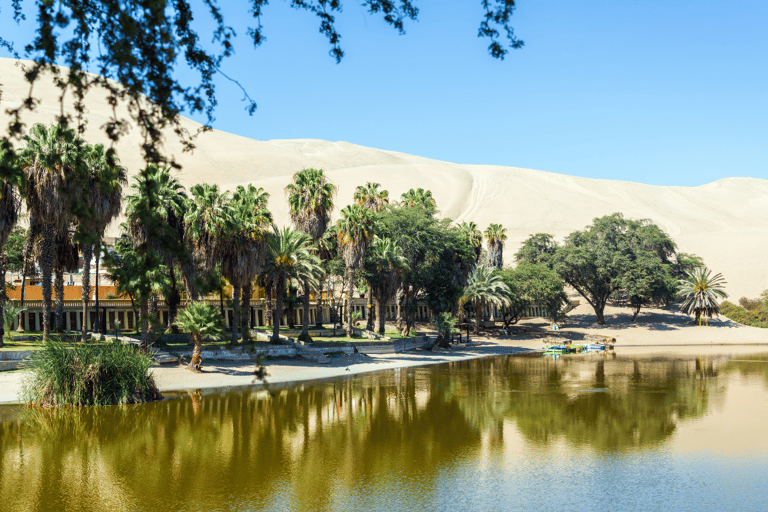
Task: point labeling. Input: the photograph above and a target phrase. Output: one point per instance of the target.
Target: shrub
(84, 375)
(755, 317)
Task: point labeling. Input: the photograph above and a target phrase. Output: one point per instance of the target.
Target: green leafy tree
(612, 254)
(354, 231)
(538, 248)
(438, 258)
(200, 320)
(310, 204)
(14, 250)
(531, 285)
(289, 257)
(647, 282)
(700, 291)
(483, 288)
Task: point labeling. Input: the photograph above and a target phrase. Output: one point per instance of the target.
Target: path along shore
(659, 332)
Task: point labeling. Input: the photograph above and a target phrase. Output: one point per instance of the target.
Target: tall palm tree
(53, 158)
(354, 232)
(245, 249)
(205, 227)
(310, 203)
(290, 256)
(386, 264)
(485, 287)
(496, 235)
(11, 176)
(699, 291)
(156, 216)
(371, 197)
(475, 237)
(105, 181)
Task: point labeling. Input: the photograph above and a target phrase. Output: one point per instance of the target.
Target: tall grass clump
(83, 375)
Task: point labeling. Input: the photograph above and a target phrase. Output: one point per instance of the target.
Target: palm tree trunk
(478, 313)
(382, 304)
(97, 322)
(350, 288)
(173, 301)
(3, 298)
(305, 312)
(371, 312)
(154, 298)
(279, 294)
(197, 352)
(319, 303)
(86, 295)
(143, 306)
(245, 312)
(399, 300)
(46, 264)
(59, 304)
(235, 313)
(188, 274)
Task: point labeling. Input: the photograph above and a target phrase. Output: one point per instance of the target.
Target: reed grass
(86, 375)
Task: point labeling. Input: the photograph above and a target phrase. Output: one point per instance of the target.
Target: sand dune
(724, 222)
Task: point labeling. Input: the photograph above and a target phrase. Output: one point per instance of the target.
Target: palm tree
(496, 235)
(485, 287)
(290, 256)
(699, 291)
(245, 249)
(310, 202)
(65, 261)
(156, 216)
(475, 237)
(201, 320)
(354, 232)
(55, 180)
(11, 176)
(371, 197)
(419, 198)
(205, 222)
(106, 179)
(386, 264)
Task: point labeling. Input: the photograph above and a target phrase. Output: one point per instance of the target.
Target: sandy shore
(656, 332)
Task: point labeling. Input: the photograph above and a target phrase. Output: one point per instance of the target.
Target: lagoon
(499, 433)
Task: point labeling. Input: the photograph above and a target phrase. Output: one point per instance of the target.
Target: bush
(757, 316)
(84, 375)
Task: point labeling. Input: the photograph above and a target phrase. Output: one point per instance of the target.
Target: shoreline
(657, 333)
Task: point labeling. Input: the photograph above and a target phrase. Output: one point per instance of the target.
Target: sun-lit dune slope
(724, 222)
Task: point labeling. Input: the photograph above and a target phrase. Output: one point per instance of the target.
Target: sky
(664, 92)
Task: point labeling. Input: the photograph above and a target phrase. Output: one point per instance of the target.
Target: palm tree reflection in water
(310, 442)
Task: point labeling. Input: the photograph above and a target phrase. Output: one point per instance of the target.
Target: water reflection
(317, 446)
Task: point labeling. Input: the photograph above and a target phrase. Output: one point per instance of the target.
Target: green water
(504, 433)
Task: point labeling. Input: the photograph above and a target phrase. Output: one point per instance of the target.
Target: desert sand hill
(724, 222)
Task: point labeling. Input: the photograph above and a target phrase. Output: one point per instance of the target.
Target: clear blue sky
(666, 92)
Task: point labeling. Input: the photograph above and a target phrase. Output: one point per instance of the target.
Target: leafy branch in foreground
(141, 46)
